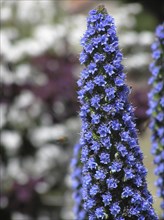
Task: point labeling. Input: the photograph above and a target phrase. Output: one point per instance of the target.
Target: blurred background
(39, 119)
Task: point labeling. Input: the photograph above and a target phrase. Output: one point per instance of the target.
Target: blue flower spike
(156, 109)
(113, 175)
(79, 212)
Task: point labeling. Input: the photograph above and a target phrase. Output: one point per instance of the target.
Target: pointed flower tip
(101, 9)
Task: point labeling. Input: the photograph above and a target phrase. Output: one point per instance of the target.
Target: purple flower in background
(156, 108)
(113, 169)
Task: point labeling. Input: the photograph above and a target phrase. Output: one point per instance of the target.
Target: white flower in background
(5, 14)
(15, 171)
(22, 73)
(34, 11)
(11, 140)
(146, 38)
(7, 76)
(48, 156)
(3, 112)
(41, 135)
(137, 61)
(25, 99)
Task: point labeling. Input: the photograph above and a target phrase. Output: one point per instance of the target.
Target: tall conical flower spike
(114, 184)
(156, 108)
(76, 165)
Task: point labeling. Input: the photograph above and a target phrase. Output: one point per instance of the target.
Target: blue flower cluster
(113, 174)
(79, 212)
(156, 108)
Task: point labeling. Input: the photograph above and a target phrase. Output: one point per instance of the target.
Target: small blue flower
(104, 39)
(111, 48)
(109, 69)
(115, 125)
(98, 57)
(158, 87)
(100, 175)
(92, 217)
(119, 105)
(111, 183)
(129, 173)
(88, 135)
(92, 68)
(134, 211)
(122, 150)
(95, 101)
(95, 118)
(107, 21)
(130, 159)
(99, 80)
(84, 110)
(120, 218)
(94, 190)
(106, 142)
(115, 209)
(125, 136)
(119, 81)
(160, 116)
(136, 199)
(162, 101)
(107, 108)
(141, 169)
(154, 46)
(84, 75)
(110, 92)
(103, 130)
(156, 54)
(90, 32)
(90, 203)
(87, 179)
(100, 213)
(96, 41)
(92, 163)
(115, 166)
(95, 146)
(89, 49)
(106, 198)
(127, 191)
(89, 86)
(104, 158)
(160, 32)
(83, 57)
(84, 154)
